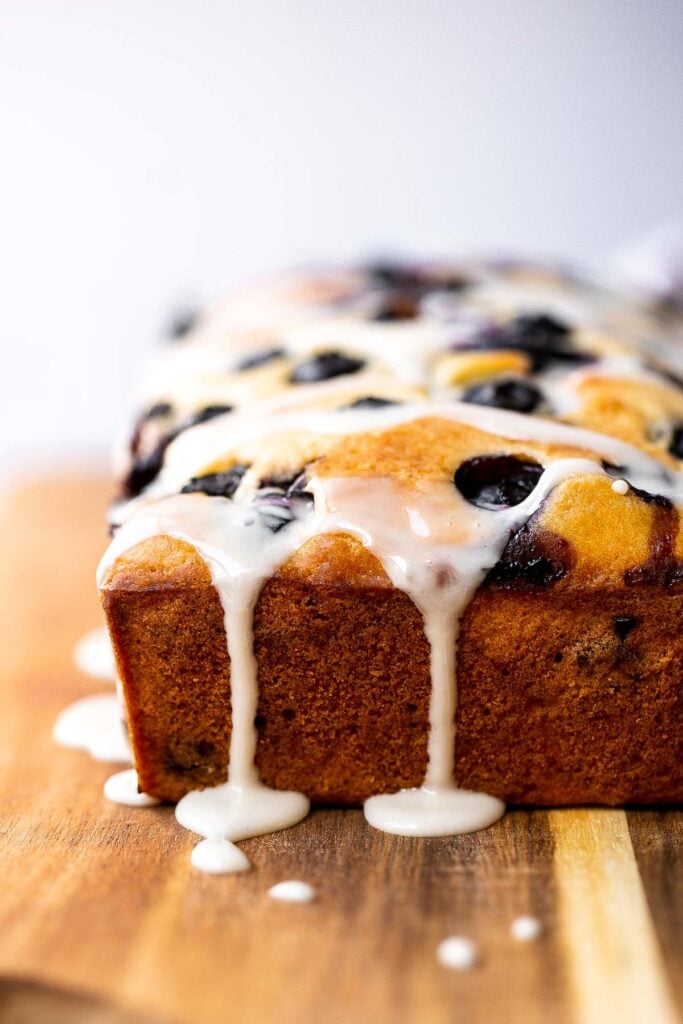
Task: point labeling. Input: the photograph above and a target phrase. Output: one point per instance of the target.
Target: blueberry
(516, 395)
(660, 500)
(286, 483)
(540, 329)
(613, 469)
(277, 510)
(390, 274)
(398, 305)
(453, 283)
(492, 481)
(145, 466)
(209, 412)
(182, 323)
(676, 443)
(543, 338)
(158, 411)
(623, 625)
(217, 485)
(371, 402)
(394, 275)
(324, 366)
(144, 469)
(260, 359)
(533, 558)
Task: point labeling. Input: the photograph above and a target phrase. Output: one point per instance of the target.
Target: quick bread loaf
(405, 536)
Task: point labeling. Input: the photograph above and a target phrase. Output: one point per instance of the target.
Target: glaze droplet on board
(216, 856)
(122, 788)
(93, 654)
(240, 811)
(458, 953)
(526, 928)
(94, 724)
(433, 812)
(292, 891)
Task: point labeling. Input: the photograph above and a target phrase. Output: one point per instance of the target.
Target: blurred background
(154, 154)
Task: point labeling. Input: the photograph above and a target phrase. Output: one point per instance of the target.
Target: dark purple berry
(371, 402)
(676, 443)
(286, 483)
(398, 305)
(673, 378)
(260, 359)
(277, 510)
(209, 412)
(182, 323)
(533, 558)
(217, 485)
(144, 469)
(624, 624)
(158, 411)
(659, 500)
(543, 338)
(452, 283)
(516, 395)
(146, 466)
(613, 469)
(390, 274)
(492, 481)
(324, 366)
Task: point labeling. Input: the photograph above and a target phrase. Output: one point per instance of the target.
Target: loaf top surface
(458, 382)
(520, 338)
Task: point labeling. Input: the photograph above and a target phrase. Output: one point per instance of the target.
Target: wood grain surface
(102, 919)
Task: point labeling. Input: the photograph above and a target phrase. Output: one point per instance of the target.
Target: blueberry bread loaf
(408, 530)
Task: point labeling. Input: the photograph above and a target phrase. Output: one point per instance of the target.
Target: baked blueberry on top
(389, 274)
(371, 402)
(676, 443)
(495, 481)
(282, 498)
(260, 359)
(506, 393)
(543, 338)
(181, 323)
(147, 456)
(397, 305)
(325, 365)
(208, 412)
(217, 485)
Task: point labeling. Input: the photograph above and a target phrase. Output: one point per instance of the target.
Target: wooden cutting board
(102, 919)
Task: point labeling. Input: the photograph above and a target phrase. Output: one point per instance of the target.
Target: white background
(156, 151)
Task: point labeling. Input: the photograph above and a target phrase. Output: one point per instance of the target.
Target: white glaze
(216, 856)
(209, 442)
(122, 788)
(620, 487)
(93, 654)
(241, 553)
(292, 891)
(526, 928)
(440, 567)
(94, 724)
(458, 953)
